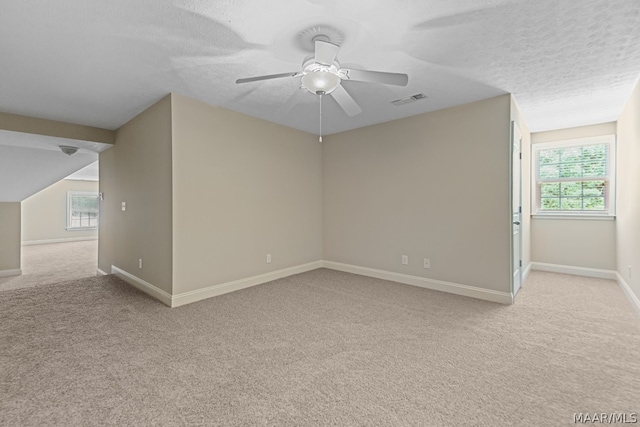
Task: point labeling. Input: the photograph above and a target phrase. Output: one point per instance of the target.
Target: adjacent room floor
(54, 263)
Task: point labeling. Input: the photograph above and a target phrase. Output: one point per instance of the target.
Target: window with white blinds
(574, 177)
(83, 209)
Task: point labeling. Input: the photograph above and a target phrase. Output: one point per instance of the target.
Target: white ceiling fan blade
(325, 52)
(271, 76)
(345, 101)
(293, 100)
(397, 79)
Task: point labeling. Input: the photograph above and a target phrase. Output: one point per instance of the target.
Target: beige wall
(578, 243)
(44, 215)
(17, 123)
(9, 236)
(573, 133)
(242, 188)
(137, 170)
(628, 193)
(574, 242)
(430, 186)
(525, 150)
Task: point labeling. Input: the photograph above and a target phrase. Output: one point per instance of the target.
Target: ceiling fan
(321, 74)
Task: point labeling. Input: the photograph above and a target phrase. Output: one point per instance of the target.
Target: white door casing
(516, 207)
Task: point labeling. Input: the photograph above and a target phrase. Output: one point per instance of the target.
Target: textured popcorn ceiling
(99, 63)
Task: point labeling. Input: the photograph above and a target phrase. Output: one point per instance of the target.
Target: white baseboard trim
(100, 273)
(423, 282)
(576, 271)
(223, 288)
(9, 273)
(144, 286)
(65, 240)
(635, 302)
(525, 273)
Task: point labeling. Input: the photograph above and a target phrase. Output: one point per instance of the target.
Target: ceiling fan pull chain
(320, 138)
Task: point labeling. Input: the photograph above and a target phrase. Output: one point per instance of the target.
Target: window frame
(610, 180)
(70, 195)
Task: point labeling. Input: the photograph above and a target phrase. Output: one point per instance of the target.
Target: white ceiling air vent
(409, 99)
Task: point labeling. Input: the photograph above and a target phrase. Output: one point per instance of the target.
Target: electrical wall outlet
(405, 260)
(140, 263)
(268, 258)
(427, 263)
(124, 206)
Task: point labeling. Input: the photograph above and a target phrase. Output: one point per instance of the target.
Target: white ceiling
(99, 63)
(25, 171)
(87, 173)
(30, 163)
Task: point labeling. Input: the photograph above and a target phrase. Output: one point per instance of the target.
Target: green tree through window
(574, 177)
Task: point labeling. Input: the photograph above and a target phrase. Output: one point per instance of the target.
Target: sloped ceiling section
(87, 173)
(29, 163)
(99, 63)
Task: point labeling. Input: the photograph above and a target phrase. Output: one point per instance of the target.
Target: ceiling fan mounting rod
(320, 93)
(321, 37)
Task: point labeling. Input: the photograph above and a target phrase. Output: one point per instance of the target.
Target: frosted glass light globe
(320, 82)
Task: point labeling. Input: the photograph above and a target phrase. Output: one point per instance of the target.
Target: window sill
(82, 229)
(574, 217)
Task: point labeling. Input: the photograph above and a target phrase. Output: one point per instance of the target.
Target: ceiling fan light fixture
(322, 74)
(320, 82)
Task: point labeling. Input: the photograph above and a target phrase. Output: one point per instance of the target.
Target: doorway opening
(60, 232)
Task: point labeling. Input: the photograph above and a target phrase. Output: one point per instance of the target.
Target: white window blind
(83, 209)
(574, 177)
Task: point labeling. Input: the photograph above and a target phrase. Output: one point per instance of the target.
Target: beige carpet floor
(319, 348)
(54, 263)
